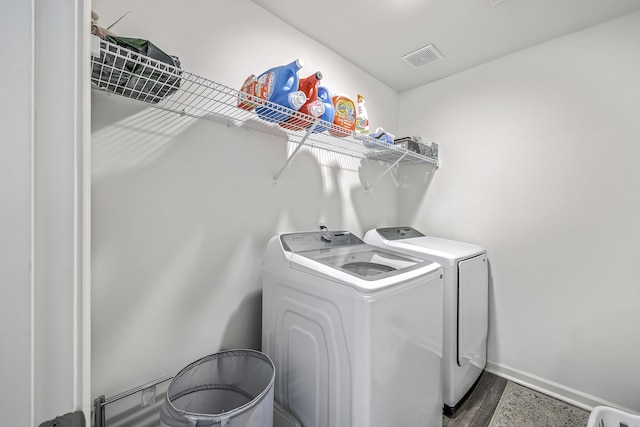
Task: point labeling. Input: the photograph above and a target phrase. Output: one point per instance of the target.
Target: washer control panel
(313, 240)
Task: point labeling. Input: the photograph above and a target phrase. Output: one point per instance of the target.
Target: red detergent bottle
(324, 96)
(312, 107)
(279, 85)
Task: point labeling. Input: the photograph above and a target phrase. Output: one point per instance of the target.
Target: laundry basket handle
(208, 422)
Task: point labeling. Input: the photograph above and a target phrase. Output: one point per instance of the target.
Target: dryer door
(473, 310)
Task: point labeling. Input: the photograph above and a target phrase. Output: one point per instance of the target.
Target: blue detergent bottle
(279, 85)
(324, 95)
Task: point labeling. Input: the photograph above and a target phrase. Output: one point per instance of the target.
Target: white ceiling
(375, 34)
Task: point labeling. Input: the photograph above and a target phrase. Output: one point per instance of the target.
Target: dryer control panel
(397, 233)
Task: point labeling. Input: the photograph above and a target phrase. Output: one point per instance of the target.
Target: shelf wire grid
(127, 73)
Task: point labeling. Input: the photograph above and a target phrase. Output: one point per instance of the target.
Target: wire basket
(135, 75)
(603, 416)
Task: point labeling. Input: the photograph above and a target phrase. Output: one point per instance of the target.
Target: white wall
(540, 155)
(183, 209)
(15, 216)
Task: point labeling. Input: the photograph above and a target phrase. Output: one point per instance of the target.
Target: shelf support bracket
(295, 151)
(369, 185)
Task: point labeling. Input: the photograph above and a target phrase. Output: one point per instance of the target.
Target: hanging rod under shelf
(118, 70)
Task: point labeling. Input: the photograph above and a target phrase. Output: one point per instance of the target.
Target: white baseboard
(550, 388)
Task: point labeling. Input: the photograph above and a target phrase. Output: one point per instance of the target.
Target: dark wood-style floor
(479, 407)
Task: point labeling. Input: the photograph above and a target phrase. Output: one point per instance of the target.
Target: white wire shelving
(118, 70)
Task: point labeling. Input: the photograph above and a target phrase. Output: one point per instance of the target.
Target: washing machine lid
(407, 239)
(343, 256)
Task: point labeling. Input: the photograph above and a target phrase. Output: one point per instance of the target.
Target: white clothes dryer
(355, 331)
(466, 301)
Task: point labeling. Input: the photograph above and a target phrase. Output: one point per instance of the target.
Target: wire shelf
(118, 70)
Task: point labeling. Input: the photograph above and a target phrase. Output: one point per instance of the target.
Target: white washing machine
(466, 302)
(355, 331)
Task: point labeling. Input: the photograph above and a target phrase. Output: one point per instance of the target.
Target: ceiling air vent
(423, 56)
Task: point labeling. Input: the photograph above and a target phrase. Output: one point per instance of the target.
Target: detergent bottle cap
(299, 63)
(316, 108)
(297, 99)
(318, 75)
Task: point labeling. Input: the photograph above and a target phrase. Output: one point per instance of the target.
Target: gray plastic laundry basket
(232, 388)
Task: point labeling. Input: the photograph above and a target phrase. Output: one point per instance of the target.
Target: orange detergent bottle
(344, 117)
(246, 97)
(312, 107)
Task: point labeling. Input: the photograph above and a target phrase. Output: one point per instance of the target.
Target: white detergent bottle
(362, 119)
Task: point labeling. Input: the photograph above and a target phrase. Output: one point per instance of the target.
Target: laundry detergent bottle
(362, 118)
(324, 96)
(312, 107)
(279, 85)
(345, 116)
(246, 96)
